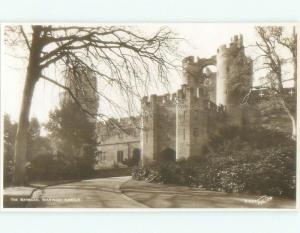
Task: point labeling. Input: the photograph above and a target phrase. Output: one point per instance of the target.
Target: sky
(200, 40)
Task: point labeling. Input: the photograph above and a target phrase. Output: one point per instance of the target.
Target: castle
(179, 125)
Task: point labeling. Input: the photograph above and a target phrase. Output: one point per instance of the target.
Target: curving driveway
(122, 192)
(170, 196)
(95, 193)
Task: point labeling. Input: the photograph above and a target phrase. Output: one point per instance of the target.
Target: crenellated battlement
(236, 42)
(191, 60)
(184, 94)
(193, 67)
(125, 122)
(197, 61)
(191, 93)
(159, 99)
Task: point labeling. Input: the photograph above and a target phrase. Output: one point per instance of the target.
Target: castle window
(183, 134)
(147, 137)
(120, 156)
(183, 115)
(99, 156)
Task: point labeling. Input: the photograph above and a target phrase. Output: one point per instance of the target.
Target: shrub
(171, 173)
(131, 162)
(47, 166)
(237, 160)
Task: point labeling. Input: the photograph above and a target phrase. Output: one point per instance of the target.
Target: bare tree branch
(25, 38)
(271, 40)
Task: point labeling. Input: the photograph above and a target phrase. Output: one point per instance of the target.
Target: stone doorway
(136, 156)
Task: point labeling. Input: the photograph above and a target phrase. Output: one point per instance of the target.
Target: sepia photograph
(148, 115)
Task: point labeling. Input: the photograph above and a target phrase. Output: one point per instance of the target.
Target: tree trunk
(22, 133)
(294, 132)
(292, 118)
(294, 125)
(32, 76)
(294, 52)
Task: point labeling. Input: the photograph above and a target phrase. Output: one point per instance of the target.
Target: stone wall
(108, 153)
(117, 136)
(166, 124)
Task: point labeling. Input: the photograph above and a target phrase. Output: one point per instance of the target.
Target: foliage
(131, 162)
(252, 160)
(10, 130)
(240, 74)
(237, 166)
(37, 145)
(73, 157)
(75, 141)
(41, 167)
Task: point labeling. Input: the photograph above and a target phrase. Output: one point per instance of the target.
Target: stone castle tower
(233, 69)
(179, 125)
(84, 90)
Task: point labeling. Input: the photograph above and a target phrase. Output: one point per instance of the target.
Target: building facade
(119, 143)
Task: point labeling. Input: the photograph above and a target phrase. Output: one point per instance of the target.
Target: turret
(149, 128)
(192, 72)
(191, 121)
(223, 60)
(233, 67)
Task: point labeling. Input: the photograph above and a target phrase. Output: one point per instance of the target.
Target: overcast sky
(202, 40)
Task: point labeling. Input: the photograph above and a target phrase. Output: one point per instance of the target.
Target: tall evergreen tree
(73, 135)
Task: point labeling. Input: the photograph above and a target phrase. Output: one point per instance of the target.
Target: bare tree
(279, 48)
(119, 56)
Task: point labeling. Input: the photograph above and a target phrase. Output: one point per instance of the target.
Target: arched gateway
(167, 154)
